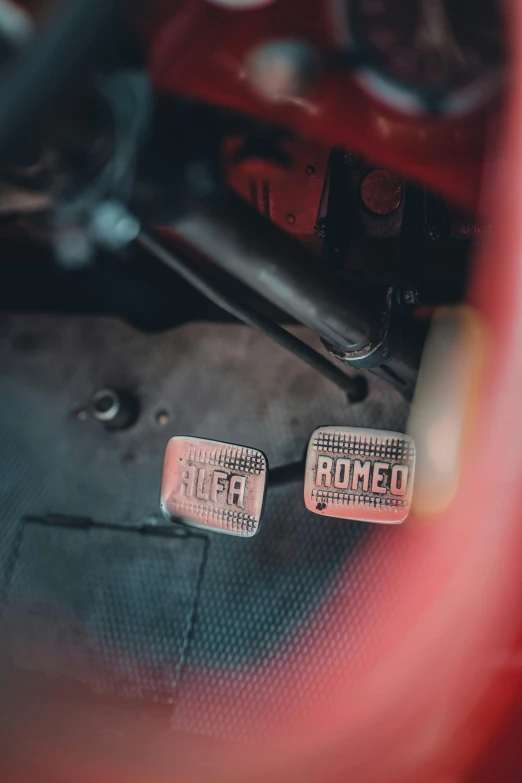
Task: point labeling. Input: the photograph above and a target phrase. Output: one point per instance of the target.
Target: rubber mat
(111, 609)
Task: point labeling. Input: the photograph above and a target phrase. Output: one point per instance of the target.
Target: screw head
(162, 418)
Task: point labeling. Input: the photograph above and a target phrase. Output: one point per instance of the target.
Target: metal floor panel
(259, 600)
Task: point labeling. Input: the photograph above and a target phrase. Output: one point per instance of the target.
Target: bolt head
(381, 192)
(162, 418)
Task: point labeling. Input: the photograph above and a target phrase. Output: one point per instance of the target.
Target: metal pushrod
(275, 265)
(355, 387)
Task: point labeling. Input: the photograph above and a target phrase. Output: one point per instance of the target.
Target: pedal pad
(214, 485)
(360, 474)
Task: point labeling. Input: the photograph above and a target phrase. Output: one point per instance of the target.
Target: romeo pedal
(214, 485)
(360, 474)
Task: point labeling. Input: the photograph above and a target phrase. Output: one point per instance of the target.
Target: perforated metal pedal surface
(360, 474)
(214, 485)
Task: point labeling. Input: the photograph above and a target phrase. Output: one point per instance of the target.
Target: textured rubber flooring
(91, 603)
(219, 627)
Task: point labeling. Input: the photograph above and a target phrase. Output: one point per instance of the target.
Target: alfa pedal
(213, 485)
(360, 474)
